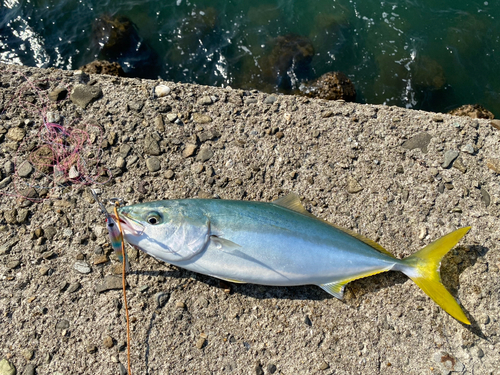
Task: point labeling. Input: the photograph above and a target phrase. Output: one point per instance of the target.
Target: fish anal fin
(292, 202)
(336, 287)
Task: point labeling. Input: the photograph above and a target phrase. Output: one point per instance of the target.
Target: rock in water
(330, 86)
(472, 110)
(289, 61)
(428, 73)
(103, 67)
(119, 41)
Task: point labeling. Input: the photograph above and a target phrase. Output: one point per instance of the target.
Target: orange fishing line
(124, 284)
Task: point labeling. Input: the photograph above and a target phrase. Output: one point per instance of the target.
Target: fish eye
(154, 218)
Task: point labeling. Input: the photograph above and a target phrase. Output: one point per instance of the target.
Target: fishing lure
(115, 235)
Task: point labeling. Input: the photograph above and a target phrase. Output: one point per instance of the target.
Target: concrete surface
(359, 166)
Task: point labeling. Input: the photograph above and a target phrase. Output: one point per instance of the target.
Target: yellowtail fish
(115, 236)
(277, 243)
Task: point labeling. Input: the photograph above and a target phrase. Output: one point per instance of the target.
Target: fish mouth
(130, 225)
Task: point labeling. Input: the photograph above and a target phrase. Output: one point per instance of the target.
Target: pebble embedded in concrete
(25, 169)
(7, 368)
(82, 267)
(205, 100)
(449, 157)
(16, 134)
(353, 186)
(108, 342)
(153, 164)
(189, 150)
(468, 148)
(110, 282)
(205, 154)
(151, 146)
(201, 118)
(420, 140)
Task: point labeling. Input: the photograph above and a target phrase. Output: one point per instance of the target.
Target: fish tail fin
(423, 268)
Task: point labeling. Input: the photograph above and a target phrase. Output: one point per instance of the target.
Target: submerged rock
(289, 61)
(330, 86)
(119, 41)
(472, 110)
(103, 67)
(427, 74)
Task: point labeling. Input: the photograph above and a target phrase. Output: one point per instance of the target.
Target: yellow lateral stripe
(232, 280)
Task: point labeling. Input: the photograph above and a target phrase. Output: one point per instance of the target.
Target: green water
(433, 55)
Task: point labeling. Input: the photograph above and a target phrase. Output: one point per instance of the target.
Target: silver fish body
(272, 245)
(277, 243)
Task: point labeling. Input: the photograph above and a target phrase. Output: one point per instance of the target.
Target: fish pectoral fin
(223, 244)
(336, 287)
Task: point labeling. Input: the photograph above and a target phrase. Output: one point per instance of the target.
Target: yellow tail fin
(424, 271)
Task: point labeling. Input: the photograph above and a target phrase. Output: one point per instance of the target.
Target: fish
(276, 243)
(114, 234)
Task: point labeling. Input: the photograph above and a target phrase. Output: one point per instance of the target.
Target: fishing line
(55, 155)
(124, 284)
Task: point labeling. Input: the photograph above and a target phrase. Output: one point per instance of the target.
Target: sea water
(423, 54)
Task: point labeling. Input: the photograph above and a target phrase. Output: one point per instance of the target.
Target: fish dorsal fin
(292, 202)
